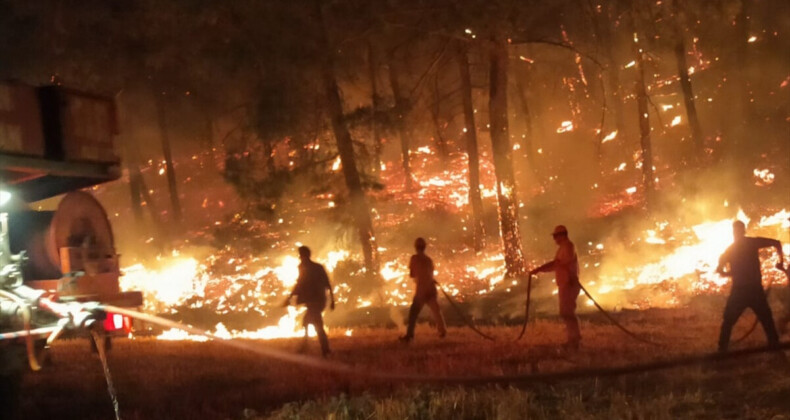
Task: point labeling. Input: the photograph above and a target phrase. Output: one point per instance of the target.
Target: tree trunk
(603, 31)
(401, 108)
(140, 197)
(688, 98)
(470, 134)
(648, 178)
(142, 189)
(522, 100)
(374, 108)
(135, 178)
(503, 163)
(743, 75)
(209, 139)
(345, 148)
(135, 189)
(168, 155)
(685, 84)
(441, 142)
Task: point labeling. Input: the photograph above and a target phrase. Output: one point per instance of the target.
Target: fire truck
(56, 142)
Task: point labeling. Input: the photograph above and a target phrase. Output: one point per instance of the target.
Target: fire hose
(70, 315)
(342, 368)
(526, 309)
(519, 378)
(361, 371)
(597, 305)
(767, 293)
(616, 323)
(463, 316)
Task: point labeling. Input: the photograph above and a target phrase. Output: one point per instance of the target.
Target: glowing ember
(565, 127)
(764, 177)
(609, 137)
(336, 164)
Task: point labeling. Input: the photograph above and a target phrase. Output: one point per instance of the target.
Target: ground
(180, 380)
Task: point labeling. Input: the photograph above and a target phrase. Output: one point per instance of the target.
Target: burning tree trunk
(648, 178)
(168, 155)
(401, 107)
(685, 84)
(374, 107)
(503, 163)
(470, 134)
(345, 147)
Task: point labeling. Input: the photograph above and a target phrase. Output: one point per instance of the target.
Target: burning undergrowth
(240, 282)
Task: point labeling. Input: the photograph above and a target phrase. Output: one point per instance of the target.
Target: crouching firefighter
(565, 266)
(747, 284)
(310, 290)
(421, 270)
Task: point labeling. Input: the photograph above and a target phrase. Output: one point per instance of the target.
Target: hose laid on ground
(614, 321)
(362, 371)
(463, 316)
(526, 309)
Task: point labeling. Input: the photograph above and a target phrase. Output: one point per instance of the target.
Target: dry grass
(157, 379)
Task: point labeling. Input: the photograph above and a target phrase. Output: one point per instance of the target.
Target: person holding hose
(565, 266)
(310, 290)
(747, 291)
(421, 270)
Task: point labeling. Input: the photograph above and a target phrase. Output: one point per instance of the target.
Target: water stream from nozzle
(99, 340)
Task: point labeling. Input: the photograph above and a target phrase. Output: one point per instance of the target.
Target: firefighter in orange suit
(565, 266)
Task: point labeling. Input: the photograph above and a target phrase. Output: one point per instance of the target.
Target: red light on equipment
(116, 322)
